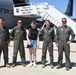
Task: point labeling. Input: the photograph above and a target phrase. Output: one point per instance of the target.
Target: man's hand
(69, 42)
(8, 43)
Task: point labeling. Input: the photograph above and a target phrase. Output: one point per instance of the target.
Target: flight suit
(48, 37)
(18, 34)
(62, 37)
(4, 40)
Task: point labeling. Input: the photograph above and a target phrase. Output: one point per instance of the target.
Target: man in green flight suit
(4, 41)
(63, 43)
(48, 37)
(18, 33)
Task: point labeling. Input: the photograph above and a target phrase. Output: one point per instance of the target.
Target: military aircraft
(6, 11)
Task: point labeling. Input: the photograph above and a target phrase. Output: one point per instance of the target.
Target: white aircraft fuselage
(6, 11)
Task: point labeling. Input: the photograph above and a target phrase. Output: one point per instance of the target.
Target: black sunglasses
(63, 21)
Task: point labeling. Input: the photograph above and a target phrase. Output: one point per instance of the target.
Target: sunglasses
(63, 21)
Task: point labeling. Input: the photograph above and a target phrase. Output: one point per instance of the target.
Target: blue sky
(59, 4)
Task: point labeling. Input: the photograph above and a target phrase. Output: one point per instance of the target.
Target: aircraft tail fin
(69, 10)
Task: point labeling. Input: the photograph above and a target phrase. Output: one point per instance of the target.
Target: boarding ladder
(46, 12)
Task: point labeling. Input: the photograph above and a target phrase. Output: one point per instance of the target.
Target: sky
(61, 5)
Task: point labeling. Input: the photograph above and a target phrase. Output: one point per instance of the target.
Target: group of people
(61, 37)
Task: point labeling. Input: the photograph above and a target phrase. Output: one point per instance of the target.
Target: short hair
(19, 20)
(2, 18)
(64, 18)
(34, 22)
(48, 21)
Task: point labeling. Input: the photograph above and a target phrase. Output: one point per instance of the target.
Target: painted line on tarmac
(74, 51)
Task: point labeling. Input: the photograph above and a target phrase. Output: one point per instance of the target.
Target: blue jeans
(33, 44)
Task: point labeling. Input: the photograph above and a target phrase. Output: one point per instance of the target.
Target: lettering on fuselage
(6, 11)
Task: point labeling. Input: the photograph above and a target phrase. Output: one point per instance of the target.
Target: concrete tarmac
(20, 70)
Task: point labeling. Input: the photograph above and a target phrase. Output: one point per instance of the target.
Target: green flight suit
(62, 37)
(4, 40)
(48, 37)
(18, 34)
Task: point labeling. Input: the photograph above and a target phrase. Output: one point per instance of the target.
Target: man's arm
(8, 36)
(53, 35)
(72, 35)
(41, 31)
(57, 36)
(12, 32)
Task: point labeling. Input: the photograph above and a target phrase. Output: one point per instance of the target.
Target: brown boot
(7, 65)
(43, 66)
(58, 66)
(67, 68)
(51, 66)
(23, 64)
(13, 65)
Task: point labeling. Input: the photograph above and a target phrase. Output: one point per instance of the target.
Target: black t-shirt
(33, 34)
